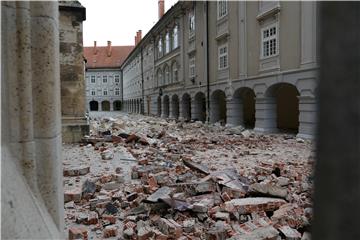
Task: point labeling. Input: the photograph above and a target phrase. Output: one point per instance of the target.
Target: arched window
(167, 75)
(167, 42)
(159, 78)
(159, 48)
(174, 73)
(175, 37)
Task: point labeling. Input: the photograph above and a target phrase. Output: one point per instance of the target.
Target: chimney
(161, 8)
(95, 50)
(137, 37)
(109, 48)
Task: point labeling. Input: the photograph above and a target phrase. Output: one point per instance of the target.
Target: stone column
(32, 187)
(153, 108)
(171, 109)
(307, 116)
(184, 110)
(214, 112)
(235, 111)
(195, 109)
(162, 108)
(265, 115)
(308, 33)
(72, 72)
(181, 110)
(111, 106)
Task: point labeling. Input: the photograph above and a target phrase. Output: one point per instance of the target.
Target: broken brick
(110, 231)
(78, 233)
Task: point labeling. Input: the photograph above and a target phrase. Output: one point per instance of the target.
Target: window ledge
(270, 12)
(191, 50)
(222, 35)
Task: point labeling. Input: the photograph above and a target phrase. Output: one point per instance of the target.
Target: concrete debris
(268, 189)
(290, 233)
(107, 155)
(77, 171)
(165, 179)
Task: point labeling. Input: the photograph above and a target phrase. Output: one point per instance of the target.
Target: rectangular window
(92, 79)
(93, 92)
(160, 50)
(192, 67)
(222, 8)
(192, 22)
(223, 57)
(105, 92)
(167, 42)
(104, 79)
(117, 78)
(269, 43)
(117, 91)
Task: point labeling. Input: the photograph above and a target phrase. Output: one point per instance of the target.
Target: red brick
(130, 224)
(78, 233)
(72, 195)
(152, 183)
(110, 231)
(110, 218)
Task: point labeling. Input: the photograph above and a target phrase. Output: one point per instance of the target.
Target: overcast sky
(118, 20)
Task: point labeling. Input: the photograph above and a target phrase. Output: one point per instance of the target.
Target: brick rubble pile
(138, 177)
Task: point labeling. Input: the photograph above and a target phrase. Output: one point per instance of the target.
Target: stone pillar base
(74, 129)
(266, 115)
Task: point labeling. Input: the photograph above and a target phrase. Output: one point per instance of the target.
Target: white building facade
(238, 63)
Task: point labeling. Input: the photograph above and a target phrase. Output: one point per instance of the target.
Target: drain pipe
(207, 62)
(142, 107)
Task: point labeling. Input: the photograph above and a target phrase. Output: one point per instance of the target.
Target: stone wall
(31, 176)
(72, 73)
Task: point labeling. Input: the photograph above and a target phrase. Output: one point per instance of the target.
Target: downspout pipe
(122, 88)
(207, 62)
(142, 82)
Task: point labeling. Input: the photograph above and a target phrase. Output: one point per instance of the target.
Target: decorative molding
(268, 13)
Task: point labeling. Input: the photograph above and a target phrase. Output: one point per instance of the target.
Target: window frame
(93, 77)
(191, 23)
(268, 39)
(117, 78)
(167, 43)
(174, 69)
(93, 92)
(104, 77)
(160, 47)
(105, 91)
(117, 92)
(222, 9)
(223, 55)
(175, 38)
(192, 65)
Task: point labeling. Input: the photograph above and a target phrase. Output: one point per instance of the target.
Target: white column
(308, 33)
(171, 109)
(214, 111)
(266, 115)
(307, 117)
(194, 109)
(235, 111)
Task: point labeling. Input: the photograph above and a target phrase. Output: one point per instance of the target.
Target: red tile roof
(103, 60)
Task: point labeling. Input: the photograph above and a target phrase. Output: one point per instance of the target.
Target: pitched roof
(102, 58)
